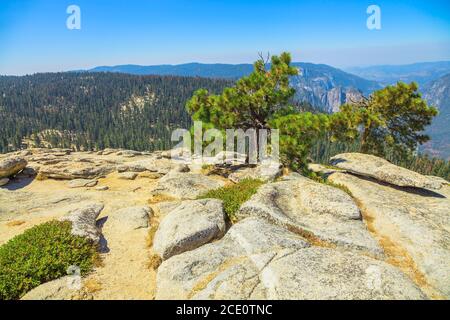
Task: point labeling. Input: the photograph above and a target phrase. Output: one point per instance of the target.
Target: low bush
(234, 196)
(41, 254)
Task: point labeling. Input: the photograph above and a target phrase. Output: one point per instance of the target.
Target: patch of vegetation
(322, 179)
(234, 196)
(41, 254)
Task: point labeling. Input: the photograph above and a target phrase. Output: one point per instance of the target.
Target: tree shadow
(413, 190)
(18, 183)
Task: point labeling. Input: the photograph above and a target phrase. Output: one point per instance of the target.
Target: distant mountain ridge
(323, 86)
(422, 72)
(218, 70)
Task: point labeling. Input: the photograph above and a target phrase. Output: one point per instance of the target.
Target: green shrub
(234, 196)
(41, 254)
(318, 177)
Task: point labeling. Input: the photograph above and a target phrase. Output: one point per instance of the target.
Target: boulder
(129, 153)
(133, 218)
(292, 176)
(382, 170)
(64, 288)
(84, 221)
(310, 208)
(3, 182)
(131, 167)
(29, 172)
(150, 175)
(108, 151)
(175, 153)
(187, 186)
(256, 260)
(102, 188)
(76, 170)
(266, 171)
(189, 226)
(412, 224)
(319, 168)
(128, 175)
(11, 166)
(82, 183)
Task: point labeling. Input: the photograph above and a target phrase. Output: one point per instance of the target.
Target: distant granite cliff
(437, 93)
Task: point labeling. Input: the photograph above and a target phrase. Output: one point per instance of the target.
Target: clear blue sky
(34, 37)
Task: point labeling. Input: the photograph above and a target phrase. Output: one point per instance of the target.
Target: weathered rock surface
(297, 239)
(185, 185)
(413, 224)
(189, 226)
(439, 180)
(3, 182)
(29, 172)
(134, 167)
(319, 168)
(308, 207)
(265, 171)
(129, 153)
(64, 288)
(82, 183)
(71, 170)
(132, 218)
(11, 166)
(84, 221)
(257, 260)
(128, 175)
(383, 170)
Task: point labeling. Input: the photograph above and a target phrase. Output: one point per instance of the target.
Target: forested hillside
(320, 85)
(94, 110)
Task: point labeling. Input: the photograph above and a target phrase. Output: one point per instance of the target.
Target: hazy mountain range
(422, 73)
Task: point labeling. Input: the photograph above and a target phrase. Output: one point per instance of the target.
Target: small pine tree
(392, 120)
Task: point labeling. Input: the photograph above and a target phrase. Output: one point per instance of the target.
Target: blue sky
(34, 37)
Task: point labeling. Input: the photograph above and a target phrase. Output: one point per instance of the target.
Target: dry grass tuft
(41, 177)
(160, 198)
(154, 225)
(92, 285)
(154, 262)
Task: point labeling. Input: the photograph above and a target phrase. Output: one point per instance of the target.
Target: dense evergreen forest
(92, 111)
(88, 111)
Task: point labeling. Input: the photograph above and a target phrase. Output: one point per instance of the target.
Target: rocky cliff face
(373, 231)
(437, 93)
(328, 88)
(324, 93)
